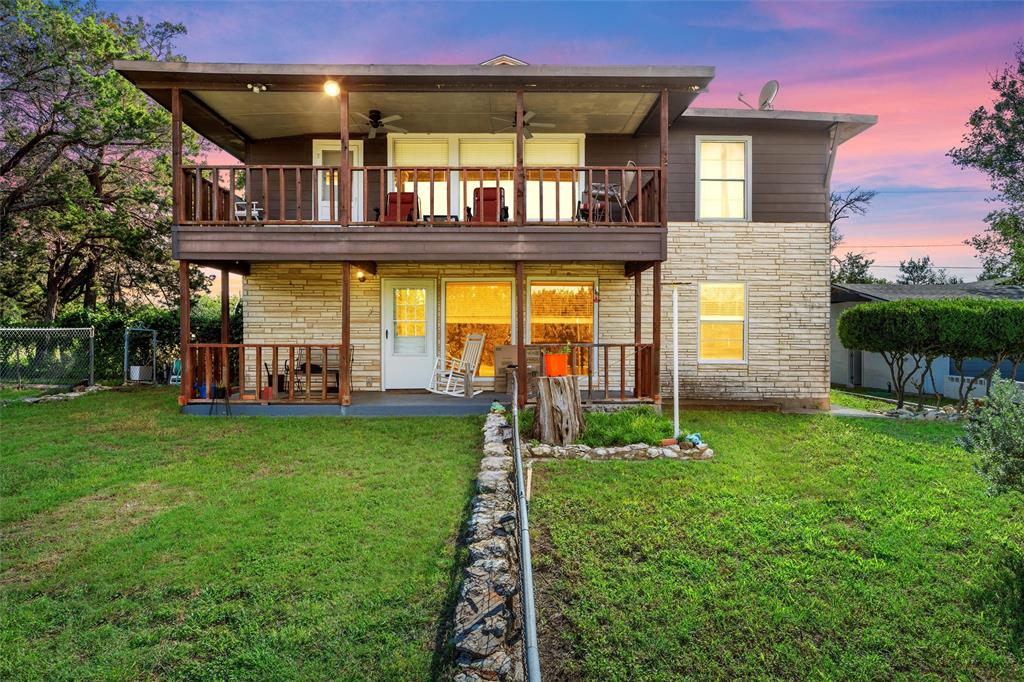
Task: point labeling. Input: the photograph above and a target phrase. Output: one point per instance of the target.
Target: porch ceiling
(430, 98)
(283, 114)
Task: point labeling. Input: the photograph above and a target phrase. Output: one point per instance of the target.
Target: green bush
(995, 430)
(110, 323)
(631, 425)
(641, 424)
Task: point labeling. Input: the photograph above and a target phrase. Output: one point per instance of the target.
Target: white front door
(409, 337)
(328, 153)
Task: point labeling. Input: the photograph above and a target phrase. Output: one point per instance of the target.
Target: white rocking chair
(454, 376)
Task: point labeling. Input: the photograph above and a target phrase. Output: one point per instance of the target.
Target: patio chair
(402, 207)
(454, 376)
(254, 210)
(175, 378)
(489, 205)
(600, 197)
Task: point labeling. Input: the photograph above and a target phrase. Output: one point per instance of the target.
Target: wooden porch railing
(269, 373)
(396, 195)
(608, 370)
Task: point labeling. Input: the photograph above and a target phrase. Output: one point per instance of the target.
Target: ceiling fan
(528, 122)
(375, 122)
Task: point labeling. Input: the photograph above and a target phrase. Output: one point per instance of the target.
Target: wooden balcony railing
(608, 372)
(269, 373)
(395, 195)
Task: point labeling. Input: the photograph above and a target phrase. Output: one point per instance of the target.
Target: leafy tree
(853, 267)
(84, 161)
(889, 329)
(994, 144)
(923, 271)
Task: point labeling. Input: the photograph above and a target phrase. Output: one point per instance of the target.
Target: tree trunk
(558, 419)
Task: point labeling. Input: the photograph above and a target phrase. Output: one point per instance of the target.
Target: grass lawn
(910, 398)
(810, 547)
(139, 543)
(15, 393)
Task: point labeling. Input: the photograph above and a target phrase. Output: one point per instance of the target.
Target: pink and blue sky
(922, 67)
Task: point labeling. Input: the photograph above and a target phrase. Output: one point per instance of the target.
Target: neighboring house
(856, 368)
(393, 209)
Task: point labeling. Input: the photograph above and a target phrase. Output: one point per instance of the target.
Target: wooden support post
(656, 333)
(345, 179)
(186, 334)
(344, 386)
(663, 161)
(637, 332)
(225, 306)
(520, 178)
(225, 324)
(521, 373)
(176, 181)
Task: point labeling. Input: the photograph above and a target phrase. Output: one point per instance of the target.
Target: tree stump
(558, 418)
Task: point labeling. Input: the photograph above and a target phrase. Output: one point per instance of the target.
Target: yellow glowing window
(478, 308)
(723, 179)
(410, 320)
(723, 312)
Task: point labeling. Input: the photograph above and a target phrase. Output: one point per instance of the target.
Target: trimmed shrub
(910, 334)
(995, 430)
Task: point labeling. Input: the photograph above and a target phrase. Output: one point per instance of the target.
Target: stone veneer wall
(295, 302)
(785, 267)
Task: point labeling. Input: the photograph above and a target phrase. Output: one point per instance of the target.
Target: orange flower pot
(556, 364)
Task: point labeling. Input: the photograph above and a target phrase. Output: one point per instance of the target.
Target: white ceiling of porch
(282, 114)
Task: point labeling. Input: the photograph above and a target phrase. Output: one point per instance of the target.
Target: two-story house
(381, 213)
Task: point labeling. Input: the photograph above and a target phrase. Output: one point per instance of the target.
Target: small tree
(966, 333)
(923, 271)
(889, 329)
(924, 344)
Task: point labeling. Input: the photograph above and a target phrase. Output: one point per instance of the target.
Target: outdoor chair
(402, 207)
(599, 198)
(489, 205)
(254, 210)
(454, 376)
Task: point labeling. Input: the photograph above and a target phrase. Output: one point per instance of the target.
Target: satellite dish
(767, 96)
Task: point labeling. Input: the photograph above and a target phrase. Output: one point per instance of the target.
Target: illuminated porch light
(360, 275)
(332, 88)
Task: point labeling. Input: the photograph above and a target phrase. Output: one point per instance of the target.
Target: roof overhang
(847, 125)
(218, 104)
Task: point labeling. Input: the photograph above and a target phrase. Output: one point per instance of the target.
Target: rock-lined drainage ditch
(488, 628)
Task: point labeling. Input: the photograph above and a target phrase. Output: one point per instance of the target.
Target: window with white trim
(723, 321)
(723, 178)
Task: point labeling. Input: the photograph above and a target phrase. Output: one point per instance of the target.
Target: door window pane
(478, 308)
(722, 321)
(410, 321)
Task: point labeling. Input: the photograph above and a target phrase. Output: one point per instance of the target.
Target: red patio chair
(402, 207)
(489, 205)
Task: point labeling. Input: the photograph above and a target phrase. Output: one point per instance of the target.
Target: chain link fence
(47, 356)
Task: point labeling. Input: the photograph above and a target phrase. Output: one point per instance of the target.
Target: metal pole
(92, 356)
(675, 360)
(526, 562)
(153, 340)
(125, 381)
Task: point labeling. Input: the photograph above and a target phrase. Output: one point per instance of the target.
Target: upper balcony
(422, 162)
